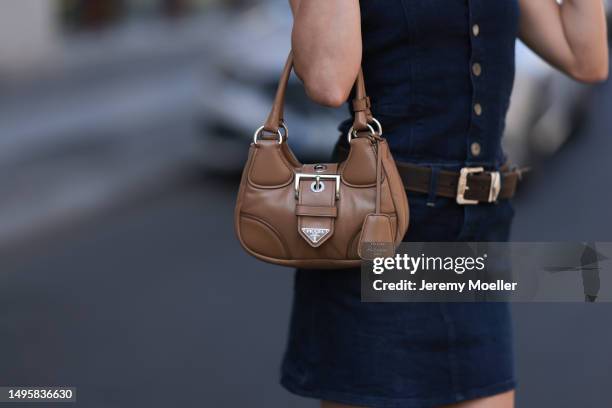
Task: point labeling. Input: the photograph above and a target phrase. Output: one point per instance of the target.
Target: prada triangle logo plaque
(315, 234)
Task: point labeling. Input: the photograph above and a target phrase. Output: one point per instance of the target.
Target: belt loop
(433, 186)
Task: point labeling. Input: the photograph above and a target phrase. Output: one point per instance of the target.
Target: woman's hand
(571, 36)
(326, 42)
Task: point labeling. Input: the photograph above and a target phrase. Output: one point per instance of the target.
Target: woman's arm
(571, 36)
(326, 42)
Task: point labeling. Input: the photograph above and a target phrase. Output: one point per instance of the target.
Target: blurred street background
(124, 125)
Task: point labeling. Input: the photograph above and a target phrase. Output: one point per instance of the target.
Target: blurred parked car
(547, 108)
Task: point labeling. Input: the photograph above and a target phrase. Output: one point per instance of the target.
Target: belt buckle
(462, 186)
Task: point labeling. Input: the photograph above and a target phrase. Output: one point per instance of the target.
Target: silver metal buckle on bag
(316, 186)
(462, 185)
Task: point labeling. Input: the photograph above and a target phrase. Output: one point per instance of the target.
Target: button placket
(474, 145)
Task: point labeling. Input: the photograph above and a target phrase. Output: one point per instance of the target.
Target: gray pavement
(564, 356)
(152, 305)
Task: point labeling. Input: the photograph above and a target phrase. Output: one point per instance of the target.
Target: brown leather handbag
(327, 215)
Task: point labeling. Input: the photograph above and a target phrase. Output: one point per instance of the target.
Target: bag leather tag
(377, 238)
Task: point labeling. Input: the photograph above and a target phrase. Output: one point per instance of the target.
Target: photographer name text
(460, 287)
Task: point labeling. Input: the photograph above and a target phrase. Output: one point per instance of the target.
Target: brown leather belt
(471, 185)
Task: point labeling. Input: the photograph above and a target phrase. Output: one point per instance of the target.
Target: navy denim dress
(439, 74)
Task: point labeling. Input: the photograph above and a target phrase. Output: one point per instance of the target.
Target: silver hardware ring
(278, 132)
(320, 168)
(283, 126)
(317, 186)
(377, 125)
(352, 133)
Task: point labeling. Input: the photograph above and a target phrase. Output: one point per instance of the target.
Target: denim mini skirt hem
(371, 401)
(410, 354)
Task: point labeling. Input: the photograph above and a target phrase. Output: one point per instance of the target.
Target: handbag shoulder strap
(361, 105)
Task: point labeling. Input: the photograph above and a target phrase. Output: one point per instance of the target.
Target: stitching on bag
(285, 162)
(271, 228)
(357, 238)
(343, 167)
(395, 199)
